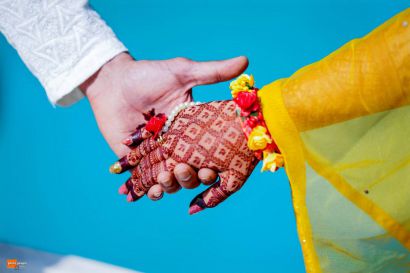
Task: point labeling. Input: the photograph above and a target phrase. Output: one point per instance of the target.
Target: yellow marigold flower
(271, 161)
(243, 83)
(258, 139)
(251, 81)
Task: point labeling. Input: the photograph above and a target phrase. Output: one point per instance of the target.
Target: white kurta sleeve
(62, 42)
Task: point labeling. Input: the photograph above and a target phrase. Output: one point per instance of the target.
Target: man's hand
(124, 88)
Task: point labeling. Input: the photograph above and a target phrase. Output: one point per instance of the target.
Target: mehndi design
(203, 136)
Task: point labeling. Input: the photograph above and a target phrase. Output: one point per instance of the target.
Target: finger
(153, 157)
(135, 193)
(229, 183)
(139, 135)
(144, 175)
(218, 71)
(123, 189)
(168, 182)
(149, 160)
(155, 193)
(186, 176)
(147, 179)
(126, 187)
(134, 156)
(207, 176)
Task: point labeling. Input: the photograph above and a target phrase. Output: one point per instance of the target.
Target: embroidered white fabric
(62, 42)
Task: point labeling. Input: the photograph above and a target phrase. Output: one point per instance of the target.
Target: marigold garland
(245, 96)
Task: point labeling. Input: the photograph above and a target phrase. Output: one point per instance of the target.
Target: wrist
(249, 109)
(104, 79)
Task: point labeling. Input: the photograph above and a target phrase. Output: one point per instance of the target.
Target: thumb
(217, 71)
(217, 193)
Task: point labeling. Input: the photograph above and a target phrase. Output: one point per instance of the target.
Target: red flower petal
(246, 100)
(155, 124)
(251, 122)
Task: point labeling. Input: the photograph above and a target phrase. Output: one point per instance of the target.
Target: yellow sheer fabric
(343, 126)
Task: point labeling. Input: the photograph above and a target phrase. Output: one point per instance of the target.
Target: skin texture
(125, 88)
(204, 136)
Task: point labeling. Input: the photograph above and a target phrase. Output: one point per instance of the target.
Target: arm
(365, 76)
(62, 42)
(66, 45)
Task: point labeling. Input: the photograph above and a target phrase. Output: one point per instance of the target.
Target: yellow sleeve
(342, 126)
(367, 75)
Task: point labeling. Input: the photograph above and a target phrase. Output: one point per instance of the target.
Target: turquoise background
(57, 195)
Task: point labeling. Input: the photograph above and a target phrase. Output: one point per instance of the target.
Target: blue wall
(56, 193)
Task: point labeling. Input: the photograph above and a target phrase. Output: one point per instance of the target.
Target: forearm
(365, 76)
(63, 43)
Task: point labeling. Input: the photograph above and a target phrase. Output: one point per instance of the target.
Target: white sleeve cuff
(63, 90)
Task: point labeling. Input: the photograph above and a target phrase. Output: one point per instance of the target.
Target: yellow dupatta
(343, 126)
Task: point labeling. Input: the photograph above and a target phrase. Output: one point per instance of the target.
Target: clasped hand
(124, 88)
(204, 136)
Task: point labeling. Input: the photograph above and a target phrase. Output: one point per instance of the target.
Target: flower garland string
(158, 124)
(244, 94)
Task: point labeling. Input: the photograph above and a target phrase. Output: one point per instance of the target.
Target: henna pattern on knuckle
(132, 158)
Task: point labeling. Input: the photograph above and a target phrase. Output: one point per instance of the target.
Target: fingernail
(115, 168)
(120, 166)
(158, 195)
(127, 141)
(123, 189)
(197, 204)
(129, 197)
(185, 176)
(195, 209)
(135, 138)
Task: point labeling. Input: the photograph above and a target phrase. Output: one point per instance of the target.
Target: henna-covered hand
(203, 136)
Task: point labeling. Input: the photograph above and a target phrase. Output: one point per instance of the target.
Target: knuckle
(167, 183)
(218, 76)
(182, 60)
(233, 186)
(139, 191)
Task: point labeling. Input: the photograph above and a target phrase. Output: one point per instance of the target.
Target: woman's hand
(204, 136)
